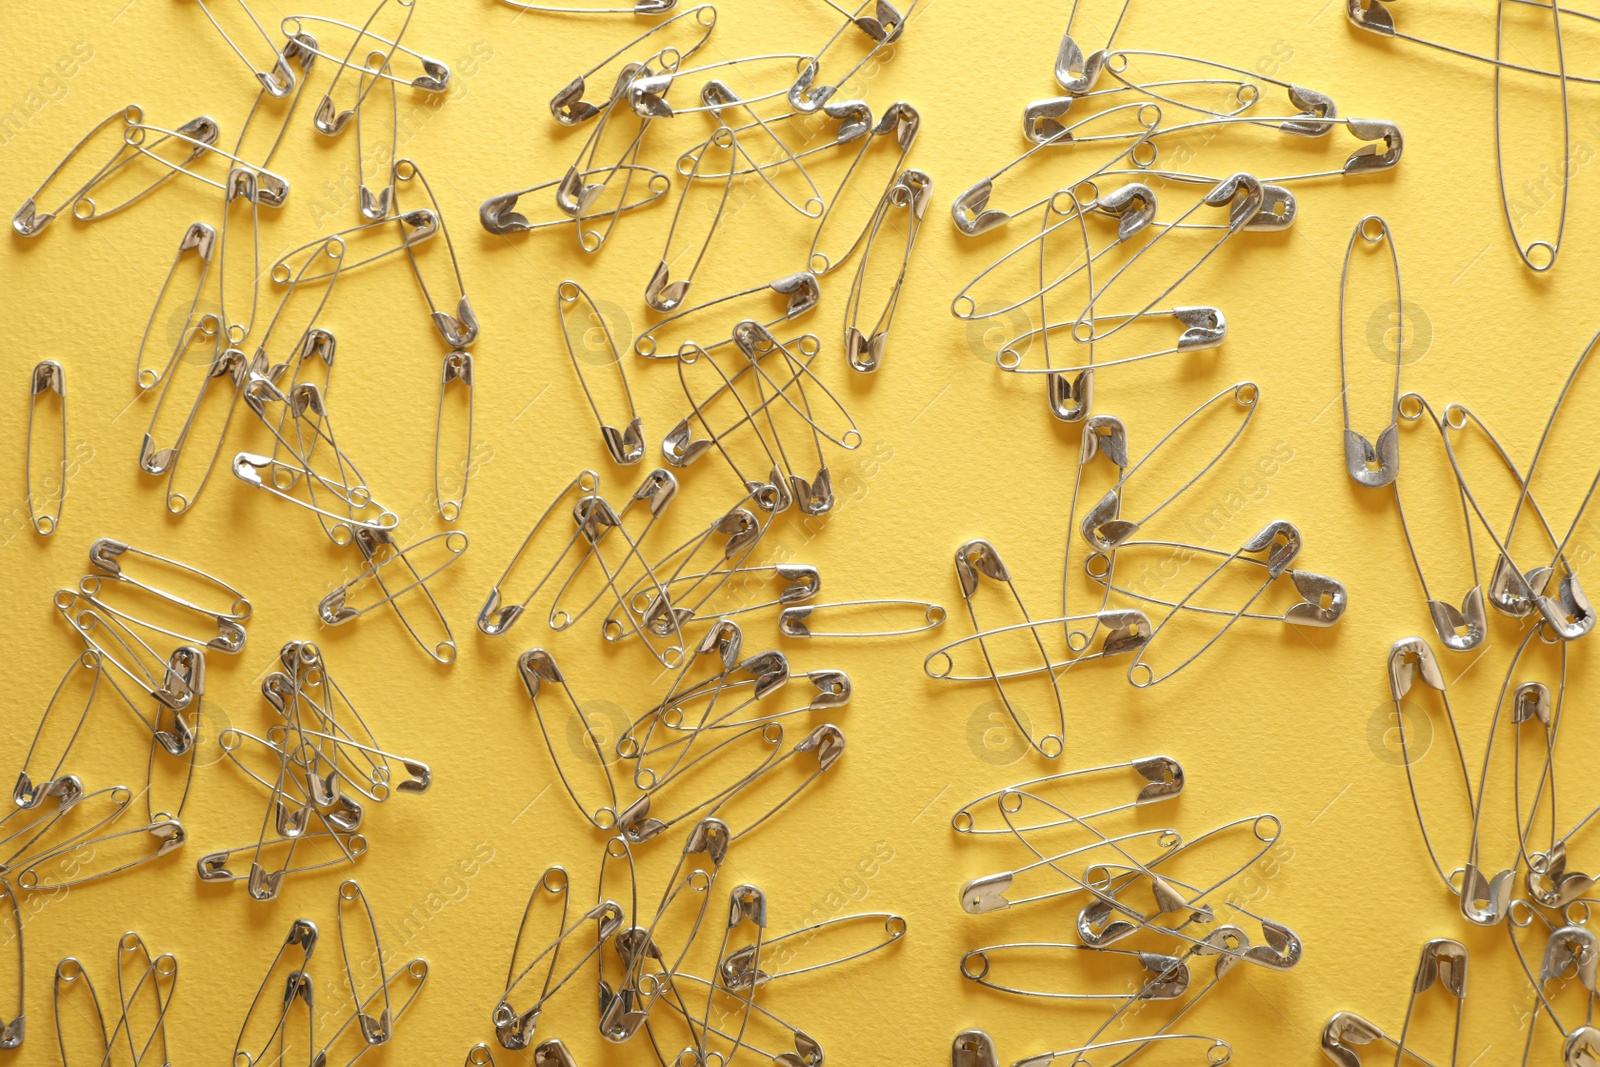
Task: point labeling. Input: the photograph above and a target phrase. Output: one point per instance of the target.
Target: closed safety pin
(46, 377)
(200, 239)
(660, 293)
(107, 555)
(229, 636)
(721, 95)
(988, 893)
(794, 621)
(1372, 465)
(415, 227)
(376, 205)
(1322, 599)
(1160, 777)
(494, 619)
(461, 329)
(570, 108)
(537, 666)
(435, 76)
(380, 550)
(27, 221)
(647, 94)
(335, 609)
(864, 351)
(1165, 978)
(883, 28)
(302, 936)
(1105, 529)
(1460, 629)
(741, 968)
(799, 290)
(626, 445)
(457, 368)
(375, 1029)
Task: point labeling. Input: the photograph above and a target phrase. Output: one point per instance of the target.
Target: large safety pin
(864, 351)
(626, 445)
(461, 329)
(494, 619)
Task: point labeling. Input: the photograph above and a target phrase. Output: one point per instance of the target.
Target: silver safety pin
(499, 217)
(329, 120)
(494, 619)
(721, 95)
(335, 608)
(200, 239)
(302, 937)
(1160, 777)
(864, 350)
(1166, 977)
(27, 221)
(1322, 599)
(660, 293)
(379, 549)
(647, 94)
(457, 368)
(229, 636)
(794, 621)
(45, 378)
(1459, 629)
(625, 445)
(537, 666)
(263, 187)
(883, 28)
(107, 555)
(988, 893)
(461, 329)
(1372, 465)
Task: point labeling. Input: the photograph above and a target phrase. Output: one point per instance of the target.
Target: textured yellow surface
(1295, 722)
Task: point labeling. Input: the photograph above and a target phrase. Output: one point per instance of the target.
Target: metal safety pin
(513, 1029)
(647, 94)
(764, 675)
(1279, 544)
(723, 647)
(1372, 465)
(1322, 599)
(28, 793)
(1376, 18)
(498, 217)
(903, 121)
(376, 1030)
(799, 290)
(988, 893)
(794, 621)
(107, 555)
(213, 866)
(305, 407)
(884, 27)
(494, 619)
(1075, 72)
(747, 904)
(69, 972)
(1216, 1051)
(864, 351)
(331, 248)
(435, 76)
(329, 119)
(46, 377)
(742, 968)
(1105, 529)
(380, 784)
(1200, 328)
(416, 970)
(570, 108)
(335, 609)
(721, 95)
(595, 519)
(375, 205)
(826, 743)
(200, 239)
(302, 936)
(1103, 435)
(1460, 629)
(575, 194)
(277, 79)
(457, 367)
(415, 227)
(14, 1030)
(1166, 977)
(461, 329)
(1162, 780)
(971, 211)
(535, 667)
(302, 49)
(1314, 106)
(680, 447)
(804, 582)
(119, 797)
(27, 221)
(249, 467)
(201, 132)
(637, 823)
(660, 293)
(626, 445)
(980, 559)
(1384, 148)
(168, 834)
(264, 188)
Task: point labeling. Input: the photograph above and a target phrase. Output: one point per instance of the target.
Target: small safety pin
(637, 823)
(883, 28)
(1105, 529)
(799, 290)
(435, 76)
(864, 351)
(302, 936)
(213, 866)
(1162, 779)
(107, 555)
(1314, 106)
(537, 666)
(302, 49)
(660, 293)
(1201, 328)
(376, 1030)
(494, 619)
(794, 621)
(1373, 466)
(747, 904)
(28, 793)
(262, 187)
(568, 105)
(46, 377)
(200, 239)
(202, 129)
(721, 95)
(647, 94)
(900, 119)
(27, 221)
(329, 119)
(457, 368)
(515, 1030)
(1278, 542)
(415, 227)
(1165, 977)
(498, 217)
(1462, 629)
(461, 329)
(625, 445)
(1322, 599)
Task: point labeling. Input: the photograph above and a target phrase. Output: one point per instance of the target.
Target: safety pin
(46, 377)
(1547, 250)
(14, 1030)
(574, 196)
(826, 743)
(636, 822)
(375, 1030)
(1372, 465)
(169, 833)
(754, 342)
(721, 95)
(234, 326)
(792, 621)
(376, 205)
(415, 227)
(853, 116)
(248, 468)
(184, 669)
(435, 76)
(416, 970)
(647, 94)
(514, 1029)
(626, 445)
(1460, 629)
(1162, 780)
(202, 133)
(335, 609)
(229, 638)
(213, 866)
(765, 674)
(807, 1053)
(1443, 963)
(1102, 435)
(746, 904)
(1201, 327)
(1105, 529)
(1314, 106)
(27, 793)
(302, 936)
(660, 293)
(304, 404)
(329, 119)
(1166, 977)
(722, 645)
(900, 119)
(1384, 148)
(971, 211)
(800, 291)
(988, 893)
(864, 351)
(27, 221)
(535, 667)
(261, 186)
(568, 105)
(979, 559)
(106, 554)
(461, 329)
(804, 582)
(1279, 542)
(742, 968)
(69, 800)
(1217, 1050)
(457, 368)
(495, 620)
(200, 239)
(640, 7)
(498, 217)
(658, 618)
(1322, 599)
(883, 28)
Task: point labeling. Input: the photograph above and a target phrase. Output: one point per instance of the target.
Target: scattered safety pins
(145, 986)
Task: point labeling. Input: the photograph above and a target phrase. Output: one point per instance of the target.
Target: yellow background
(1273, 719)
